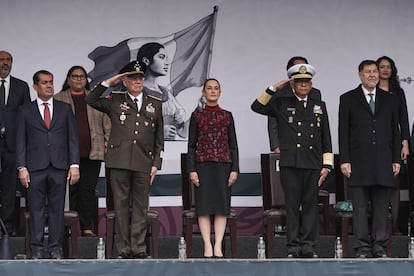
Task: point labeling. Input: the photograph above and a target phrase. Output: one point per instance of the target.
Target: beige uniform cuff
(264, 98)
(328, 158)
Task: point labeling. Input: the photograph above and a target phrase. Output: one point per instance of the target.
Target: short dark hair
(293, 59)
(366, 63)
(38, 73)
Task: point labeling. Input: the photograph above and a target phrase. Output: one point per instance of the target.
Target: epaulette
(118, 92)
(154, 97)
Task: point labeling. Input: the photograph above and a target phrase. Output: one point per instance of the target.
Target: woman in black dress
(389, 81)
(213, 165)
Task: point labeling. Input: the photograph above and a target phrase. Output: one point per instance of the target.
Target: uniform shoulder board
(118, 92)
(154, 97)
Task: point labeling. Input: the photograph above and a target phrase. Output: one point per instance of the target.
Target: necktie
(303, 102)
(46, 114)
(136, 103)
(371, 102)
(2, 94)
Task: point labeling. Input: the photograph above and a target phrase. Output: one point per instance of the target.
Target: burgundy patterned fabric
(213, 140)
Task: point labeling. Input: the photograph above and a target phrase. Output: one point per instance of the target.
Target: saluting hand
(116, 79)
(279, 85)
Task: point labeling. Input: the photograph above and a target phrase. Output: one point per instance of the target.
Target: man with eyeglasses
(13, 93)
(305, 155)
(134, 155)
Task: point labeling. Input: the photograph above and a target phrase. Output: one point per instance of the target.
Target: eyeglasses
(302, 81)
(78, 77)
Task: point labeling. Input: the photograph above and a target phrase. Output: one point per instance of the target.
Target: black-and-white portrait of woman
(155, 57)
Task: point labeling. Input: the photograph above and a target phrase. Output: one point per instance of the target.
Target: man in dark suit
(305, 155)
(134, 155)
(369, 146)
(47, 153)
(286, 91)
(13, 93)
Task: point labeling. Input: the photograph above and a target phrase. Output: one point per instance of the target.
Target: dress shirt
(40, 105)
(139, 98)
(366, 92)
(6, 88)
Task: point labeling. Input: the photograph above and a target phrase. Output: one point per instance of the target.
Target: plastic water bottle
(338, 248)
(182, 249)
(100, 249)
(261, 249)
(411, 248)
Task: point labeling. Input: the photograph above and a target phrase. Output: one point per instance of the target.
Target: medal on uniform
(124, 106)
(290, 119)
(146, 123)
(318, 119)
(122, 118)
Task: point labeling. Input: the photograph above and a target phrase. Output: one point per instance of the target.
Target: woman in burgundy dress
(213, 164)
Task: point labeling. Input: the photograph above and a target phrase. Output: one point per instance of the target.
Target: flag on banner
(188, 50)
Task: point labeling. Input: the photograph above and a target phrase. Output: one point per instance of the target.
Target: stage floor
(189, 267)
(246, 247)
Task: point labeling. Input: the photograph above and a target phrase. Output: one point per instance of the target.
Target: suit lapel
(379, 100)
(36, 113)
(363, 101)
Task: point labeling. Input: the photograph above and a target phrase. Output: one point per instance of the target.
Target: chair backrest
(109, 195)
(272, 190)
(187, 191)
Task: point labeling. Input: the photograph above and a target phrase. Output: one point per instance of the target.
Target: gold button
(299, 123)
(298, 145)
(311, 125)
(137, 123)
(310, 147)
(137, 114)
(135, 141)
(150, 153)
(299, 134)
(112, 146)
(311, 136)
(136, 132)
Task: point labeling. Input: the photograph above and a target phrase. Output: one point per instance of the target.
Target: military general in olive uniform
(134, 153)
(305, 154)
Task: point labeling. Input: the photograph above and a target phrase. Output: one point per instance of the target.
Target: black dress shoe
(124, 255)
(56, 254)
(141, 255)
(293, 255)
(309, 255)
(36, 255)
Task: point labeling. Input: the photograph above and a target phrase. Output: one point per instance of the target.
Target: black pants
(82, 194)
(300, 187)
(47, 187)
(8, 184)
(379, 197)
